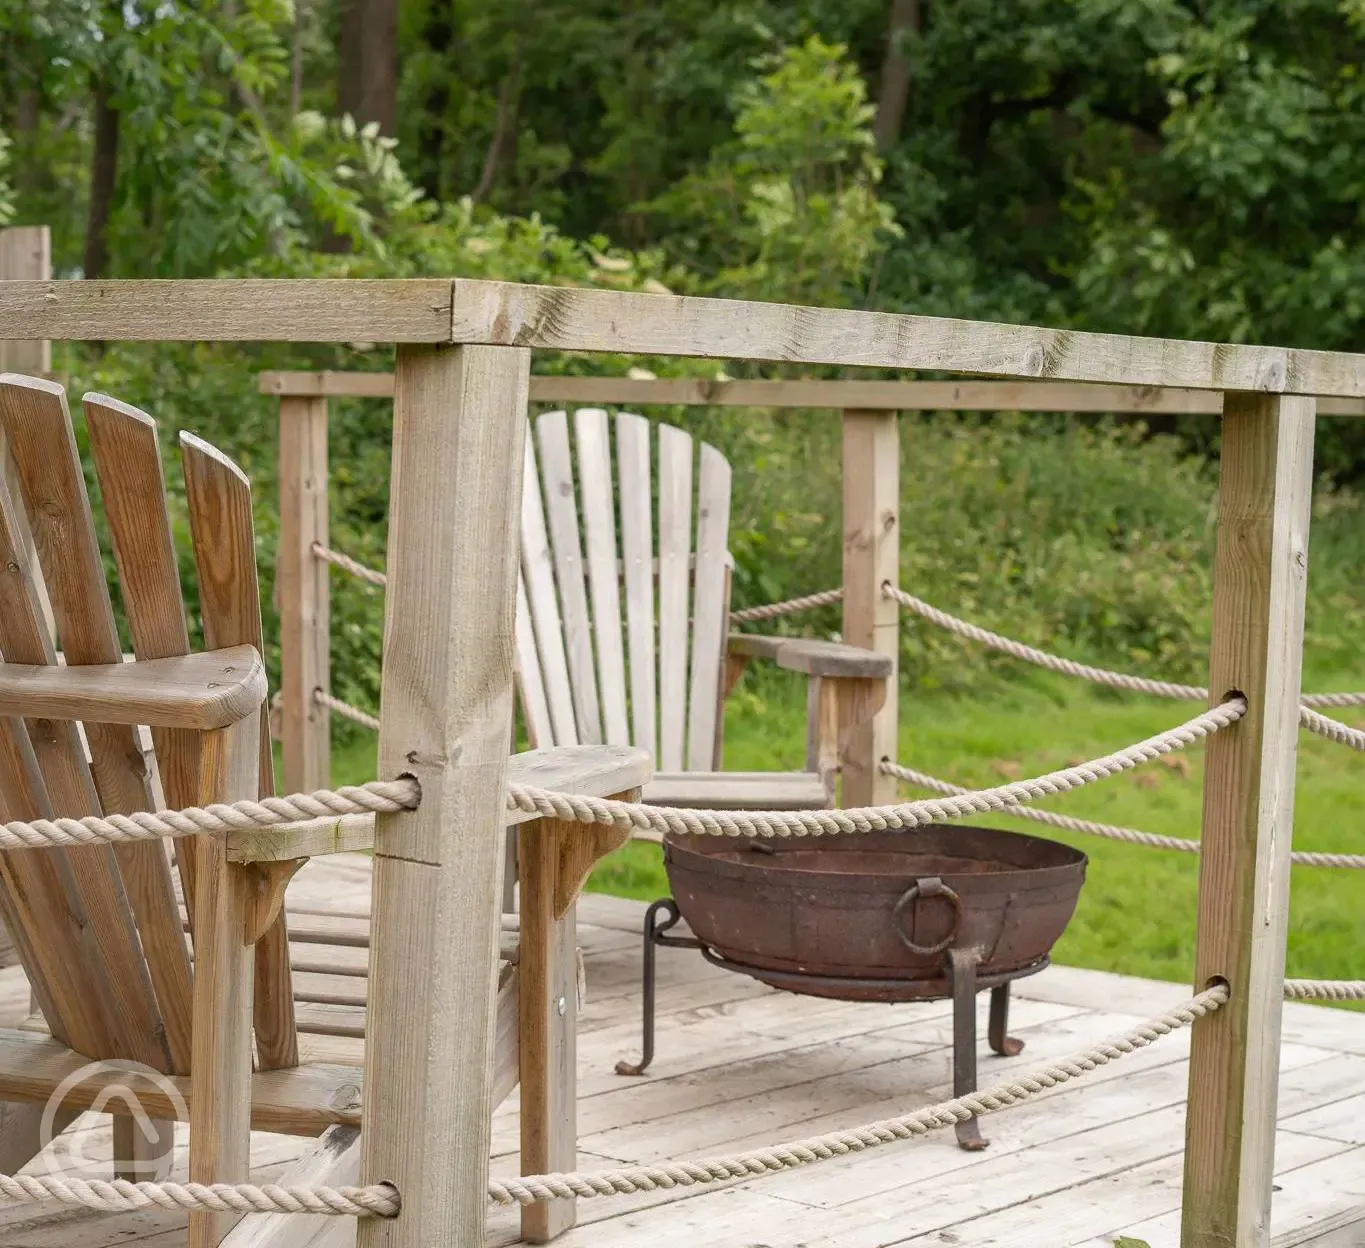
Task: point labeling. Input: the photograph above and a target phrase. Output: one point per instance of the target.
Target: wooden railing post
(455, 499)
(1260, 574)
(871, 557)
(304, 588)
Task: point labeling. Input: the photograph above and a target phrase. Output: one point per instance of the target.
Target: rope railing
(347, 564)
(790, 1156)
(346, 710)
(380, 1200)
(1324, 989)
(922, 780)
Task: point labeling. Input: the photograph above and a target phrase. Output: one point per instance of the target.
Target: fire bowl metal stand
(960, 982)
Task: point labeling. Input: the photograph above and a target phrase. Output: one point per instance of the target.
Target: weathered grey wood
(556, 470)
(710, 607)
(815, 658)
(459, 422)
(675, 547)
(229, 310)
(143, 1148)
(539, 580)
(639, 324)
(872, 544)
(737, 790)
(841, 393)
(302, 582)
(637, 554)
(593, 444)
(334, 1161)
(530, 683)
(1260, 577)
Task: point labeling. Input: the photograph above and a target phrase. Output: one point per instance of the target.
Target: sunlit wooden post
(304, 588)
(459, 429)
(871, 558)
(1260, 575)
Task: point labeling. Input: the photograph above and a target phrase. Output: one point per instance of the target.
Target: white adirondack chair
(655, 670)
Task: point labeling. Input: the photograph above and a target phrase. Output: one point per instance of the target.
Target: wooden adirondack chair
(100, 930)
(661, 682)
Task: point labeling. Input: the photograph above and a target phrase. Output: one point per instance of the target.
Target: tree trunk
(367, 86)
(103, 177)
(893, 95)
(502, 146)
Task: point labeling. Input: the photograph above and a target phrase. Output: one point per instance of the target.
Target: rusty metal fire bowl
(941, 911)
(872, 917)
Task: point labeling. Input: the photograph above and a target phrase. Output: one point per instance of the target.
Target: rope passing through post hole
(667, 1175)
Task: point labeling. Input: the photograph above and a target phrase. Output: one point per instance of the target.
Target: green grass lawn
(1137, 910)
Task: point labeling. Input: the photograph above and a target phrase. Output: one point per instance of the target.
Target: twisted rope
(1332, 729)
(1132, 836)
(346, 710)
(872, 818)
(121, 1196)
(525, 1190)
(772, 610)
(347, 564)
(377, 796)
(1324, 989)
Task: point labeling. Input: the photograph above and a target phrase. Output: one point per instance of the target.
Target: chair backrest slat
(123, 440)
(655, 683)
(710, 605)
(38, 426)
(556, 467)
(599, 528)
(530, 685)
(218, 496)
(538, 575)
(637, 554)
(675, 549)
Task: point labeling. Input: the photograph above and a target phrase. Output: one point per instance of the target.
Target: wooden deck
(740, 1065)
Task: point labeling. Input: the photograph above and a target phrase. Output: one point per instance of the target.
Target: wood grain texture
(737, 790)
(459, 425)
(639, 324)
(548, 1024)
(123, 441)
(592, 441)
(229, 310)
(218, 496)
(815, 658)
(561, 511)
(1260, 575)
(872, 543)
(304, 590)
(542, 598)
(220, 1122)
(635, 475)
(535, 708)
(126, 892)
(200, 691)
(837, 394)
(26, 255)
(675, 549)
(710, 607)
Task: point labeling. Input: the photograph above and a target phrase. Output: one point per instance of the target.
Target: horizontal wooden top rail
(891, 396)
(618, 322)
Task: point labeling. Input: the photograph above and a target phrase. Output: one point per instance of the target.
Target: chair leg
(22, 1136)
(143, 1148)
(220, 1079)
(547, 965)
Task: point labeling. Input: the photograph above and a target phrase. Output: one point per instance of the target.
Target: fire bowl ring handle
(931, 886)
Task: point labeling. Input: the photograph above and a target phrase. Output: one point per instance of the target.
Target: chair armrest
(814, 658)
(214, 689)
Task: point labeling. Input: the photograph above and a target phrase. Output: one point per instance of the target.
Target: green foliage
(788, 208)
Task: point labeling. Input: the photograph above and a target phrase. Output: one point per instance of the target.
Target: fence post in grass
(304, 588)
(455, 500)
(871, 558)
(1260, 575)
